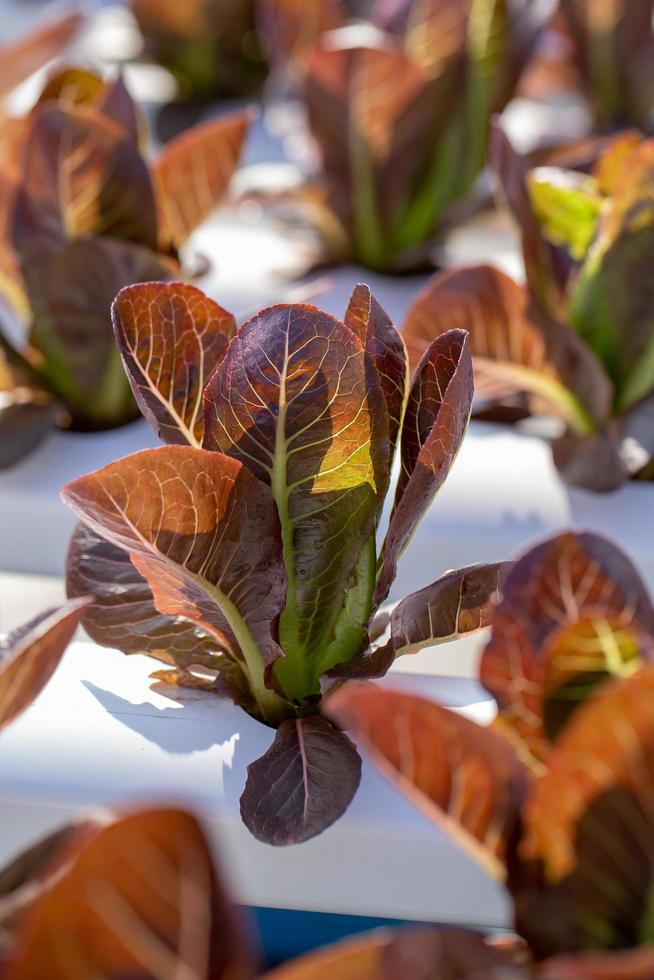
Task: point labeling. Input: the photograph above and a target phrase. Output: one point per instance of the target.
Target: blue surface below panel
(287, 933)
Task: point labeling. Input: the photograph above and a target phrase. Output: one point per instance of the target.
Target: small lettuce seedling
(401, 118)
(248, 544)
(555, 798)
(578, 341)
(82, 214)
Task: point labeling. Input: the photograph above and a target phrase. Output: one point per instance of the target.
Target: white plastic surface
(98, 736)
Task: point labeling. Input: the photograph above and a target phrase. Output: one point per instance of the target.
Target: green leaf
(297, 401)
(567, 205)
(613, 302)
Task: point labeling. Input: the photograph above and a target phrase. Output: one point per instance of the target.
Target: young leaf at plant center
(462, 776)
(205, 535)
(567, 207)
(30, 655)
(171, 338)
(514, 346)
(573, 613)
(303, 783)
(297, 401)
(585, 876)
(136, 898)
(192, 172)
(435, 421)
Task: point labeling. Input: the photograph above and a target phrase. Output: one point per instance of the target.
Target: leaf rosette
(243, 554)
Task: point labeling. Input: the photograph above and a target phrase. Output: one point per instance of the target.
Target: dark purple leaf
(435, 422)
(303, 783)
(382, 342)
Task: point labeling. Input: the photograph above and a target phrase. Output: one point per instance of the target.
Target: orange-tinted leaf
(294, 399)
(405, 954)
(614, 156)
(30, 655)
(514, 349)
(376, 331)
(192, 173)
(139, 898)
(171, 338)
(574, 612)
(22, 58)
(435, 422)
(463, 776)
(302, 784)
(585, 876)
(204, 534)
(456, 604)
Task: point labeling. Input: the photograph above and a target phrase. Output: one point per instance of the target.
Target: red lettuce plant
(82, 214)
(578, 340)
(248, 544)
(612, 44)
(401, 118)
(554, 798)
(211, 46)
